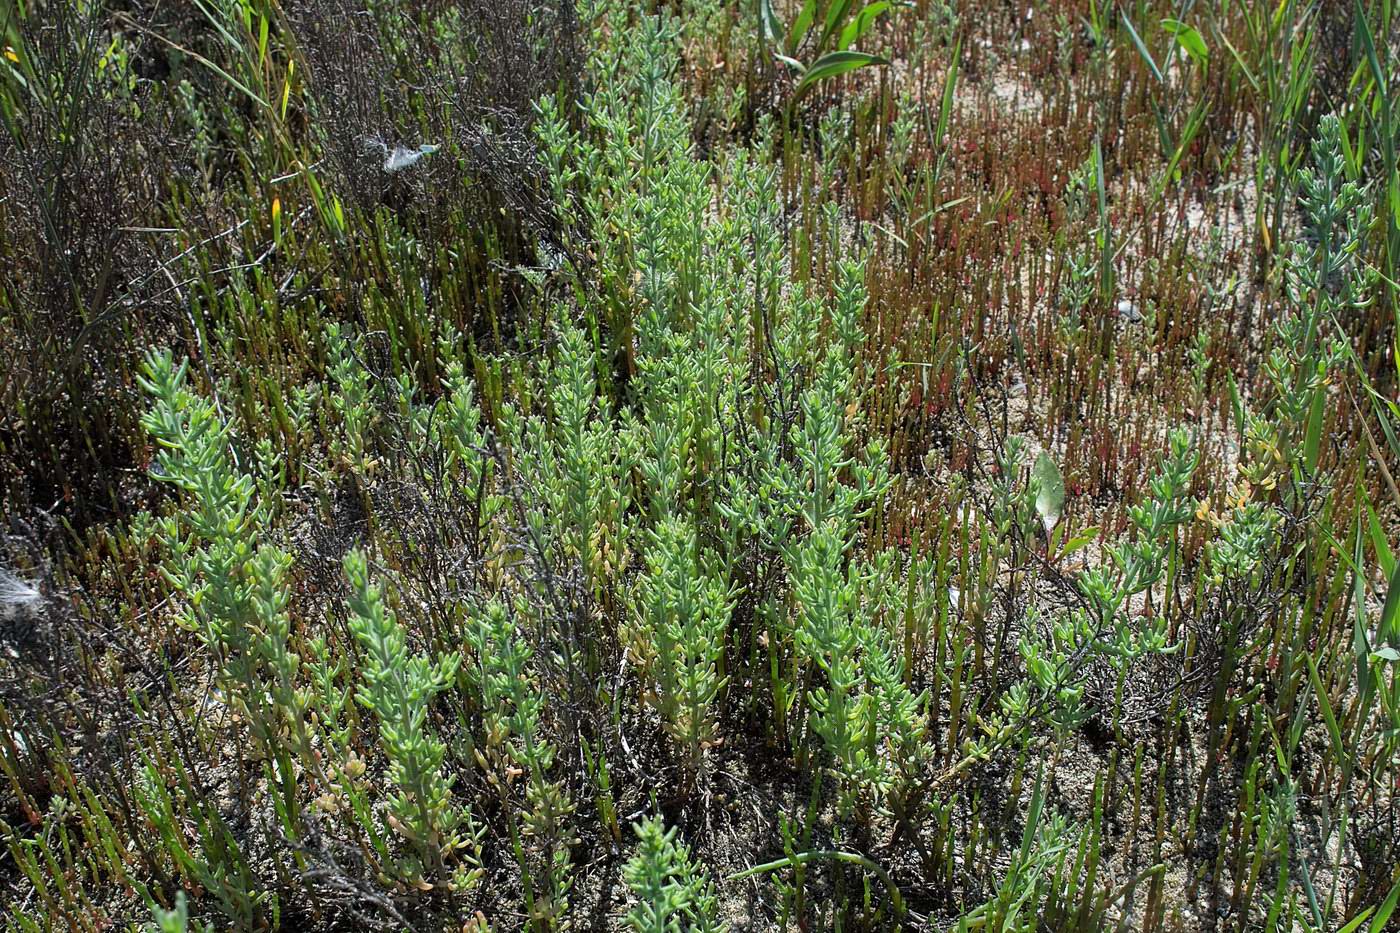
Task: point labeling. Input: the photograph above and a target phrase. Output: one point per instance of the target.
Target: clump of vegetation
(782, 465)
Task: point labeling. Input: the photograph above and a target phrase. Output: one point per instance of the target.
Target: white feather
(398, 158)
(403, 157)
(17, 598)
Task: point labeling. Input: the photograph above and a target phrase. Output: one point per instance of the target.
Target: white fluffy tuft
(18, 600)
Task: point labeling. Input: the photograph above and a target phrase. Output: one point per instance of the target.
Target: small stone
(1129, 311)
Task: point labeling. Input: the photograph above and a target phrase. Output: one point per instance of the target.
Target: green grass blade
(1325, 705)
(1142, 48)
(835, 63)
(864, 20)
